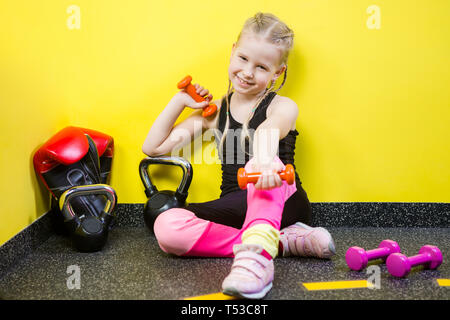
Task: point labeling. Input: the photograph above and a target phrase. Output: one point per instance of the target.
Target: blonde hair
(268, 27)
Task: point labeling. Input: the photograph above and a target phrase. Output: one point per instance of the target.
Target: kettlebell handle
(182, 191)
(97, 189)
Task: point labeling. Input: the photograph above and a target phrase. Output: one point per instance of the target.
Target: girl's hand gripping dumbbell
(288, 174)
(192, 91)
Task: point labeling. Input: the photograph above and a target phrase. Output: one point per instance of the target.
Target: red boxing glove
(74, 165)
(69, 146)
(105, 149)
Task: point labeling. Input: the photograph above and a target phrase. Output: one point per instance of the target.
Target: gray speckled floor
(132, 266)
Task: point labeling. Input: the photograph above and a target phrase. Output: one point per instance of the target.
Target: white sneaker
(302, 240)
(251, 274)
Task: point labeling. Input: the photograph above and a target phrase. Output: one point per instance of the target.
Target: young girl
(244, 224)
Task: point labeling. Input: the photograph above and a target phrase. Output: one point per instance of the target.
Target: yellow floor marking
(443, 282)
(212, 296)
(337, 285)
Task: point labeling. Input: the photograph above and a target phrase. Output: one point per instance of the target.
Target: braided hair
(273, 30)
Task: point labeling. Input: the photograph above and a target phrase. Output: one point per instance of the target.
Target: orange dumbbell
(190, 89)
(288, 174)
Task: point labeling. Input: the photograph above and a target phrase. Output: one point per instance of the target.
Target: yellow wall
(374, 103)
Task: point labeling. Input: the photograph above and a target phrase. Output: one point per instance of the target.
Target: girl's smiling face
(254, 63)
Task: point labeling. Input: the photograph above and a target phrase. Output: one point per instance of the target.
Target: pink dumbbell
(400, 265)
(357, 257)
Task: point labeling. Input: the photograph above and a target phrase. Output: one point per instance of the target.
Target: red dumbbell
(357, 258)
(288, 174)
(190, 89)
(400, 265)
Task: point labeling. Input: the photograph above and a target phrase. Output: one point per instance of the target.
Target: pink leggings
(181, 232)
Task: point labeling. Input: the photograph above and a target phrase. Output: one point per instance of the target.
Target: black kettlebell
(160, 201)
(88, 231)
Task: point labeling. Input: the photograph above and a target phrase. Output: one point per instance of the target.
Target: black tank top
(232, 161)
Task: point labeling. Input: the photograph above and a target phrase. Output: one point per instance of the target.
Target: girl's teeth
(243, 81)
